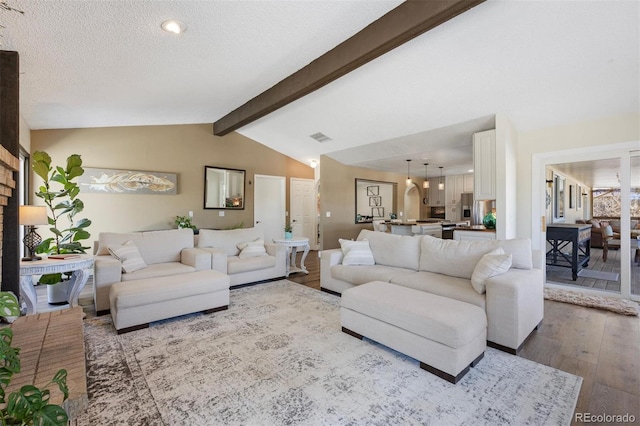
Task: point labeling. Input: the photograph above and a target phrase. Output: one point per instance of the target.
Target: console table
(292, 249)
(77, 265)
(574, 236)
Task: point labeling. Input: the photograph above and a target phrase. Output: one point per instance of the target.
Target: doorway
(563, 197)
(269, 204)
(303, 208)
(412, 202)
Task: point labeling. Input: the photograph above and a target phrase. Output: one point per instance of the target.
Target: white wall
(614, 132)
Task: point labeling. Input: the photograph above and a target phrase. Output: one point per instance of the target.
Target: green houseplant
(288, 231)
(29, 405)
(183, 222)
(60, 194)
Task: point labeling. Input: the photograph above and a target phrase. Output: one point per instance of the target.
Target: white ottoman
(136, 303)
(447, 336)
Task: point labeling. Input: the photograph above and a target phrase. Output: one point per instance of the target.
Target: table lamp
(30, 216)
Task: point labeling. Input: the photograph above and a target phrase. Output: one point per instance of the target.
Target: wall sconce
(30, 216)
(408, 173)
(425, 184)
(441, 184)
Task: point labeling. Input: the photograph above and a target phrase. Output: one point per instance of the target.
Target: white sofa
(513, 301)
(226, 257)
(165, 253)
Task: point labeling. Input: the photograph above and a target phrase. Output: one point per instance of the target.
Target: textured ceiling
(107, 63)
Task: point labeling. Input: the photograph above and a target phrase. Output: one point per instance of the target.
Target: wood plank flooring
(601, 347)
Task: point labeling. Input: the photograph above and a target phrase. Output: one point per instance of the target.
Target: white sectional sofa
(513, 300)
(226, 256)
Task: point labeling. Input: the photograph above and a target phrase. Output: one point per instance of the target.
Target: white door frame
(538, 169)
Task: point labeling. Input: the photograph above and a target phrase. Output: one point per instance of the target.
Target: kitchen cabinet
(436, 196)
(484, 165)
(462, 235)
(453, 188)
(467, 182)
(453, 213)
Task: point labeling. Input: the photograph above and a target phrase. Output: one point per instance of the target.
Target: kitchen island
(473, 233)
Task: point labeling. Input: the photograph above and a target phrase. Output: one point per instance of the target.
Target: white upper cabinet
(467, 184)
(484, 165)
(453, 188)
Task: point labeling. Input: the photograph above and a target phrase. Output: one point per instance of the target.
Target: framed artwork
(558, 197)
(572, 196)
(373, 190)
(113, 181)
(579, 197)
(377, 211)
(375, 201)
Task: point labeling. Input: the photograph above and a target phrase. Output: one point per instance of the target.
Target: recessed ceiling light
(175, 27)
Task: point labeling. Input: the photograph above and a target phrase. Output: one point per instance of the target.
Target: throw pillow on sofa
(494, 263)
(129, 255)
(356, 252)
(252, 249)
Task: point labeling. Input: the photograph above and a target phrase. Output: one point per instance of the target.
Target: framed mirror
(223, 188)
(374, 200)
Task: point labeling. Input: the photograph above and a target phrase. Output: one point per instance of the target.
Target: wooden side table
(292, 248)
(77, 265)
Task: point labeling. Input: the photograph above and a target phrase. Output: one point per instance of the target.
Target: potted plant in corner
(288, 231)
(60, 194)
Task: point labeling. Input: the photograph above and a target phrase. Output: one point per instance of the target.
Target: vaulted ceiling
(108, 63)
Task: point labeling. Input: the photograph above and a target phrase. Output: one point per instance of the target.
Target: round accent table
(77, 265)
(292, 248)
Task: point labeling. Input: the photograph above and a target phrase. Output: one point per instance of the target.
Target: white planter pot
(57, 293)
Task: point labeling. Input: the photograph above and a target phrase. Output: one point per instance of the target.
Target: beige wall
(180, 149)
(337, 195)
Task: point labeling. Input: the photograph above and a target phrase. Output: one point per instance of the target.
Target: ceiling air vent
(321, 137)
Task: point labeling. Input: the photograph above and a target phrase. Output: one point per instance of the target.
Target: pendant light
(441, 184)
(425, 184)
(408, 173)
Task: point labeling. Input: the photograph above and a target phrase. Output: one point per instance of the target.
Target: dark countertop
(470, 228)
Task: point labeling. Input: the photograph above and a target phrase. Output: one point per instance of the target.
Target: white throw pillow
(129, 255)
(493, 263)
(356, 252)
(252, 249)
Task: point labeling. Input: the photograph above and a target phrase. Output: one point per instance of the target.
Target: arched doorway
(412, 202)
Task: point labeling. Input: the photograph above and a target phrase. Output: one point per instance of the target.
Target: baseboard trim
(103, 312)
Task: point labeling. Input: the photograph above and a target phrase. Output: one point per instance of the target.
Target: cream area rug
(620, 306)
(278, 357)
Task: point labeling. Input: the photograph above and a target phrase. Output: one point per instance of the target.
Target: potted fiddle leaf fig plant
(59, 191)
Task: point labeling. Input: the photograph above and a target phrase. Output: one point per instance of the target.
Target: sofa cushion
(519, 249)
(252, 249)
(356, 252)
(159, 270)
(236, 265)
(451, 257)
(128, 255)
(442, 285)
(154, 246)
(228, 240)
(363, 274)
(494, 263)
(400, 251)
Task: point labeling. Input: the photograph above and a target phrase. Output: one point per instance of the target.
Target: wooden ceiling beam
(408, 20)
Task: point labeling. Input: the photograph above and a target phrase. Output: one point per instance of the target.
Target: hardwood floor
(600, 346)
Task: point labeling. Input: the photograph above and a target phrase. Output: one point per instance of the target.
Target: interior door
(269, 203)
(303, 210)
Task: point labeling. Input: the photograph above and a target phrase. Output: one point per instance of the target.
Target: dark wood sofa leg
(218, 309)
